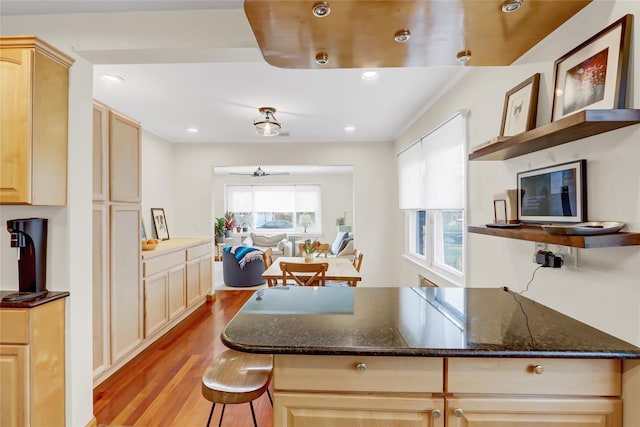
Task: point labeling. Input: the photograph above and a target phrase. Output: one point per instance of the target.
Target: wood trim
(92, 423)
(33, 42)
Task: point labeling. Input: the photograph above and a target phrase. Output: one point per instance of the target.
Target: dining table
(340, 268)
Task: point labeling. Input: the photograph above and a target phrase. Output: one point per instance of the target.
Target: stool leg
(253, 414)
(211, 414)
(224, 405)
(270, 400)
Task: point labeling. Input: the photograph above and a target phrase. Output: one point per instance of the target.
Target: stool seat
(235, 377)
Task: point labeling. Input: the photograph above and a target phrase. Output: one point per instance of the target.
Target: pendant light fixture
(267, 125)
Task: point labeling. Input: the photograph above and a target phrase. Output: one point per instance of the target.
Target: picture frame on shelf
(160, 223)
(143, 230)
(594, 74)
(520, 107)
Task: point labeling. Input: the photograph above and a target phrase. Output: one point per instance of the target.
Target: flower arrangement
(229, 221)
(310, 247)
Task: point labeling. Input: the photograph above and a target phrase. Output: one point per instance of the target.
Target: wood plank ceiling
(360, 33)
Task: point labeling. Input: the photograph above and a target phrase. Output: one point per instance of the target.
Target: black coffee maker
(29, 235)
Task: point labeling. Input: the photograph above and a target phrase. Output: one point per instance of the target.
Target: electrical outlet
(538, 247)
(569, 254)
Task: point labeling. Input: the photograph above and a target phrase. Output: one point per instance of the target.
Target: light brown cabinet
(456, 392)
(118, 318)
(34, 102)
(348, 390)
(32, 365)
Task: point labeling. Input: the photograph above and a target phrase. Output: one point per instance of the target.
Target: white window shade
(274, 199)
(443, 151)
(411, 180)
(239, 199)
(307, 198)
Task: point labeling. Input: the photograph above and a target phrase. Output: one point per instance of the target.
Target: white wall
(374, 184)
(604, 290)
(337, 195)
(157, 177)
(69, 234)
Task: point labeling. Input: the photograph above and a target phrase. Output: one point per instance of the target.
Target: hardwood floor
(162, 386)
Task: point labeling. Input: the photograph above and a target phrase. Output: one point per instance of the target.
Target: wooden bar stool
(235, 377)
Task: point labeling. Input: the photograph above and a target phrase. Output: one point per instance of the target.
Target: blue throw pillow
(335, 246)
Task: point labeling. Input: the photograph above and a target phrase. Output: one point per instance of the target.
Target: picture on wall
(520, 107)
(594, 74)
(160, 223)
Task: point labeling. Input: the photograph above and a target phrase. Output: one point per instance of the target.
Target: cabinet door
(205, 275)
(100, 151)
(177, 291)
(526, 412)
(14, 385)
(155, 303)
(100, 287)
(193, 281)
(15, 132)
(124, 158)
(321, 410)
(126, 298)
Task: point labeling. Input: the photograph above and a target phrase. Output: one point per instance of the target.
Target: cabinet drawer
(163, 263)
(585, 377)
(198, 251)
(340, 373)
(14, 326)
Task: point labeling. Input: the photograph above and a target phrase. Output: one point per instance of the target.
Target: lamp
(267, 125)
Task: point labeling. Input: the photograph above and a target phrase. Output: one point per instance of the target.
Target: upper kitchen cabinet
(125, 150)
(34, 100)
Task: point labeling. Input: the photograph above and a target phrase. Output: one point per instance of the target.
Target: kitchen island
(435, 357)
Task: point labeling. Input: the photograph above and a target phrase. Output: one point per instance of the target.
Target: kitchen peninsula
(435, 357)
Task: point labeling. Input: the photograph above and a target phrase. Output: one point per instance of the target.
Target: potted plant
(309, 248)
(229, 223)
(220, 230)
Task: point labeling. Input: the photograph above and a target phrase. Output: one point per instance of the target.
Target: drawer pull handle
(436, 413)
(458, 412)
(538, 369)
(361, 367)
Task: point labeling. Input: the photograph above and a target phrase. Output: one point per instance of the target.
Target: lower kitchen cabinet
(534, 411)
(352, 391)
(322, 410)
(32, 365)
(155, 303)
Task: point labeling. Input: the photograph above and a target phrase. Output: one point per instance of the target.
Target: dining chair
(267, 260)
(357, 263)
(323, 249)
(307, 274)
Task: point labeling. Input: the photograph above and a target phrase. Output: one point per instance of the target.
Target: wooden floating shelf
(535, 233)
(571, 128)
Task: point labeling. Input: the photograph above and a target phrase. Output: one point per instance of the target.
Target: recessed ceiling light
(368, 75)
(511, 5)
(464, 56)
(402, 36)
(321, 9)
(192, 130)
(113, 79)
(350, 129)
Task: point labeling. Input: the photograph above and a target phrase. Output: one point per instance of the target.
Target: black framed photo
(520, 107)
(594, 74)
(160, 223)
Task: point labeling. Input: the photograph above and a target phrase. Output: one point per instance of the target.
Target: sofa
(279, 243)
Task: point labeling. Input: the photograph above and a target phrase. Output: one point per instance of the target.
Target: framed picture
(594, 74)
(520, 107)
(143, 230)
(160, 223)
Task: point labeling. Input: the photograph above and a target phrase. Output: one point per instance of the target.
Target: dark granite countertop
(437, 322)
(48, 297)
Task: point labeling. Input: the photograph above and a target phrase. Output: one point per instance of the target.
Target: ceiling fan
(259, 173)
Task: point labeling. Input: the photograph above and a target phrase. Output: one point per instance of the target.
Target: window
(276, 207)
(432, 194)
